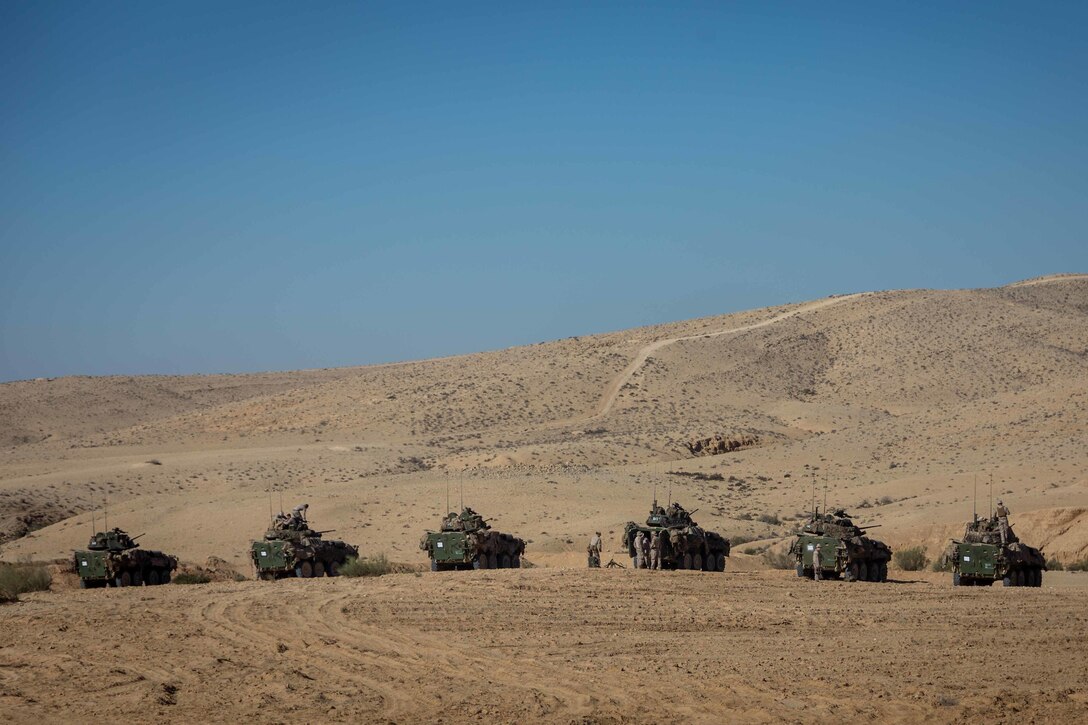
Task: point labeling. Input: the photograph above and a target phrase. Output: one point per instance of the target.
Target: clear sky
(227, 187)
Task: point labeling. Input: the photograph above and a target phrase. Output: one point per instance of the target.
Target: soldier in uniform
(646, 551)
(595, 547)
(655, 550)
(640, 544)
(1002, 513)
(817, 564)
(298, 516)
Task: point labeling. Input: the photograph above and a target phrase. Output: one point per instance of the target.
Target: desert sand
(893, 404)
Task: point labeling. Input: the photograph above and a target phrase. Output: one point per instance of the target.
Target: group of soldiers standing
(647, 550)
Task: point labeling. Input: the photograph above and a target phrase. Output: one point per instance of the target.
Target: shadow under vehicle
(467, 541)
(844, 548)
(290, 548)
(684, 544)
(113, 558)
(986, 555)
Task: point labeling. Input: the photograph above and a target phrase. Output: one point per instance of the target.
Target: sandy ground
(552, 646)
(897, 405)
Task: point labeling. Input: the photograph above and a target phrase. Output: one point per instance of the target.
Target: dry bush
(913, 558)
(16, 579)
(367, 566)
(779, 559)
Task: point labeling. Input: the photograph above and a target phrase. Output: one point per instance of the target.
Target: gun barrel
(327, 531)
(136, 537)
(874, 526)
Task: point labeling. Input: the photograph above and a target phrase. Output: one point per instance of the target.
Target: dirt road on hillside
(549, 646)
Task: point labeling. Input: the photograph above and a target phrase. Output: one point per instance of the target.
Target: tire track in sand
(612, 390)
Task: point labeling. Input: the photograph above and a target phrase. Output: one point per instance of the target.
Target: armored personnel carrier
(466, 541)
(845, 549)
(684, 544)
(291, 548)
(986, 555)
(113, 558)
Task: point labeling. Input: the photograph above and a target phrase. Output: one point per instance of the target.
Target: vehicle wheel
(268, 576)
(304, 570)
(124, 579)
(480, 562)
(956, 580)
(515, 563)
(493, 561)
(1018, 578)
(1038, 577)
(883, 572)
(686, 561)
(697, 562)
(721, 563)
(863, 571)
(1007, 581)
(164, 576)
(153, 578)
(874, 572)
(434, 565)
(333, 568)
(505, 563)
(137, 578)
(83, 584)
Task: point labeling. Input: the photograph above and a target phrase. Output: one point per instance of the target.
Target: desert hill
(897, 400)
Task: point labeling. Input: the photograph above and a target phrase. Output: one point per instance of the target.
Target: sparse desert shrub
(16, 579)
(912, 558)
(864, 504)
(1081, 565)
(779, 559)
(744, 517)
(367, 566)
(1054, 565)
(753, 550)
(942, 564)
(885, 500)
(192, 577)
(740, 539)
(771, 519)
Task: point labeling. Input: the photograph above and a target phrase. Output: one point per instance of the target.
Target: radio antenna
(825, 492)
(94, 529)
(447, 490)
(271, 514)
(974, 504)
(462, 487)
(991, 495)
(106, 512)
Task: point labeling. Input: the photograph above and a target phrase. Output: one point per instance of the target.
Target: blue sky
(227, 187)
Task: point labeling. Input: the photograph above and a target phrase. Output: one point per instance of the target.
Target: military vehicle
(844, 548)
(684, 544)
(291, 548)
(113, 558)
(467, 541)
(984, 556)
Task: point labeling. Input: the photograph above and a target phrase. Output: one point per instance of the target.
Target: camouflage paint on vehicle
(113, 558)
(684, 544)
(982, 558)
(290, 548)
(844, 548)
(467, 541)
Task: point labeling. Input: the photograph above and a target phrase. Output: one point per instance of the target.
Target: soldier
(640, 542)
(298, 516)
(646, 552)
(655, 551)
(1002, 514)
(817, 564)
(595, 548)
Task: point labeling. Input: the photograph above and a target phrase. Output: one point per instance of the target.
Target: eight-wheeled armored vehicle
(113, 558)
(684, 544)
(291, 548)
(844, 549)
(467, 541)
(990, 551)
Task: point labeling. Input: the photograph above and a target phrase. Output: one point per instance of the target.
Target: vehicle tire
(505, 563)
(164, 576)
(1007, 581)
(137, 578)
(266, 576)
(304, 570)
(333, 568)
(1018, 578)
(319, 569)
(863, 571)
(153, 578)
(697, 562)
(84, 584)
(1038, 577)
(515, 563)
(874, 572)
(480, 562)
(721, 564)
(686, 562)
(434, 565)
(493, 561)
(956, 579)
